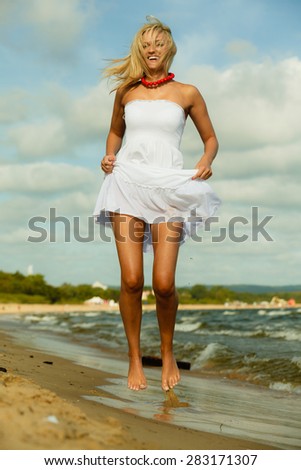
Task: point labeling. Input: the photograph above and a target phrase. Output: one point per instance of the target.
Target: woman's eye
(157, 44)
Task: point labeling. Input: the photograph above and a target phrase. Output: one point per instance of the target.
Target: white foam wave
(236, 333)
(289, 335)
(297, 360)
(211, 351)
(84, 326)
(252, 359)
(188, 346)
(275, 313)
(285, 387)
(187, 327)
(36, 318)
(56, 329)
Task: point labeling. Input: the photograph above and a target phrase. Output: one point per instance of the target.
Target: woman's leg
(166, 237)
(129, 233)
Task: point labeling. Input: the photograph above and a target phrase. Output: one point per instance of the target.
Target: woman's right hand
(107, 163)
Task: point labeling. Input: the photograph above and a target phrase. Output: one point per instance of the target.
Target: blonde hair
(127, 72)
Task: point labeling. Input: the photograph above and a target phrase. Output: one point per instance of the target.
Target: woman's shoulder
(120, 93)
(189, 94)
(124, 94)
(188, 89)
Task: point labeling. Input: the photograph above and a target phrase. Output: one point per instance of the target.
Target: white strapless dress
(148, 180)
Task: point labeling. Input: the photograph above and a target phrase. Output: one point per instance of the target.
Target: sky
(55, 109)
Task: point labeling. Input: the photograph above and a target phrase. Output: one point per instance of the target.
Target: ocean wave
(84, 326)
(189, 346)
(283, 373)
(39, 319)
(231, 312)
(288, 335)
(234, 333)
(187, 327)
(297, 360)
(285, 387)
(211, 351)
(275, 313)
(259, 333)
(92, 314)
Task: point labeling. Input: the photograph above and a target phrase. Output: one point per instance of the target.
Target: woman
(150, 199)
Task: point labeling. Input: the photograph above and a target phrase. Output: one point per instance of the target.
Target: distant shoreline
(15, 308)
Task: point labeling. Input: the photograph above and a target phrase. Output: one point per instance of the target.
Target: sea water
(260, 346)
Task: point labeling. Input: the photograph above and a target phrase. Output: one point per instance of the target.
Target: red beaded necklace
(147, 84)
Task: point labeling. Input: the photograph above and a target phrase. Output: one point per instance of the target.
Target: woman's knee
(133, 283)
(164, 287)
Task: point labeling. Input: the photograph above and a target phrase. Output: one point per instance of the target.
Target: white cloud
(40, 139)
(253, 104)
(86, 116)
(13, 106)
(79, 203)
(53, 28)
(45, 177)
(14, 237)
(55, 23)
(241, 49)
(90, 114)
(58, 123)
(280, 161)
(272, 192)
(194, 47)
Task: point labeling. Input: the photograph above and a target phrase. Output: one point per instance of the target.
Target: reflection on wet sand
(171, 401)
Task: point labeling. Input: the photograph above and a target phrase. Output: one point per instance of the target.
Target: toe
(165, 386)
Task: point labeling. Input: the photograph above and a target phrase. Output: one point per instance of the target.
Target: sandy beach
(42, 407)
(7, 308)
(14, 308)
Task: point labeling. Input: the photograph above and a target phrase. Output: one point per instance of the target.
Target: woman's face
(155, 47)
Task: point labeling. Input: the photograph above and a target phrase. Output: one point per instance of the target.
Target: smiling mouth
(153, 58)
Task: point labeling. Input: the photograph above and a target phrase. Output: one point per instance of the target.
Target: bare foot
(136, 377)
(170, 371)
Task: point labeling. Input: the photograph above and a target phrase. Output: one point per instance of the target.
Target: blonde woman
(152, 202)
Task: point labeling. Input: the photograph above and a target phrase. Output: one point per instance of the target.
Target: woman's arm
(115, 135)
(200, 117)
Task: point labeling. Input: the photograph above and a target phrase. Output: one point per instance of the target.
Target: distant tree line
(201, 294)
(18, 288)
(34, 289)
(220, 295)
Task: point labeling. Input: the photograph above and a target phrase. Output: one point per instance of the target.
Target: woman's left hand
(203, 170)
